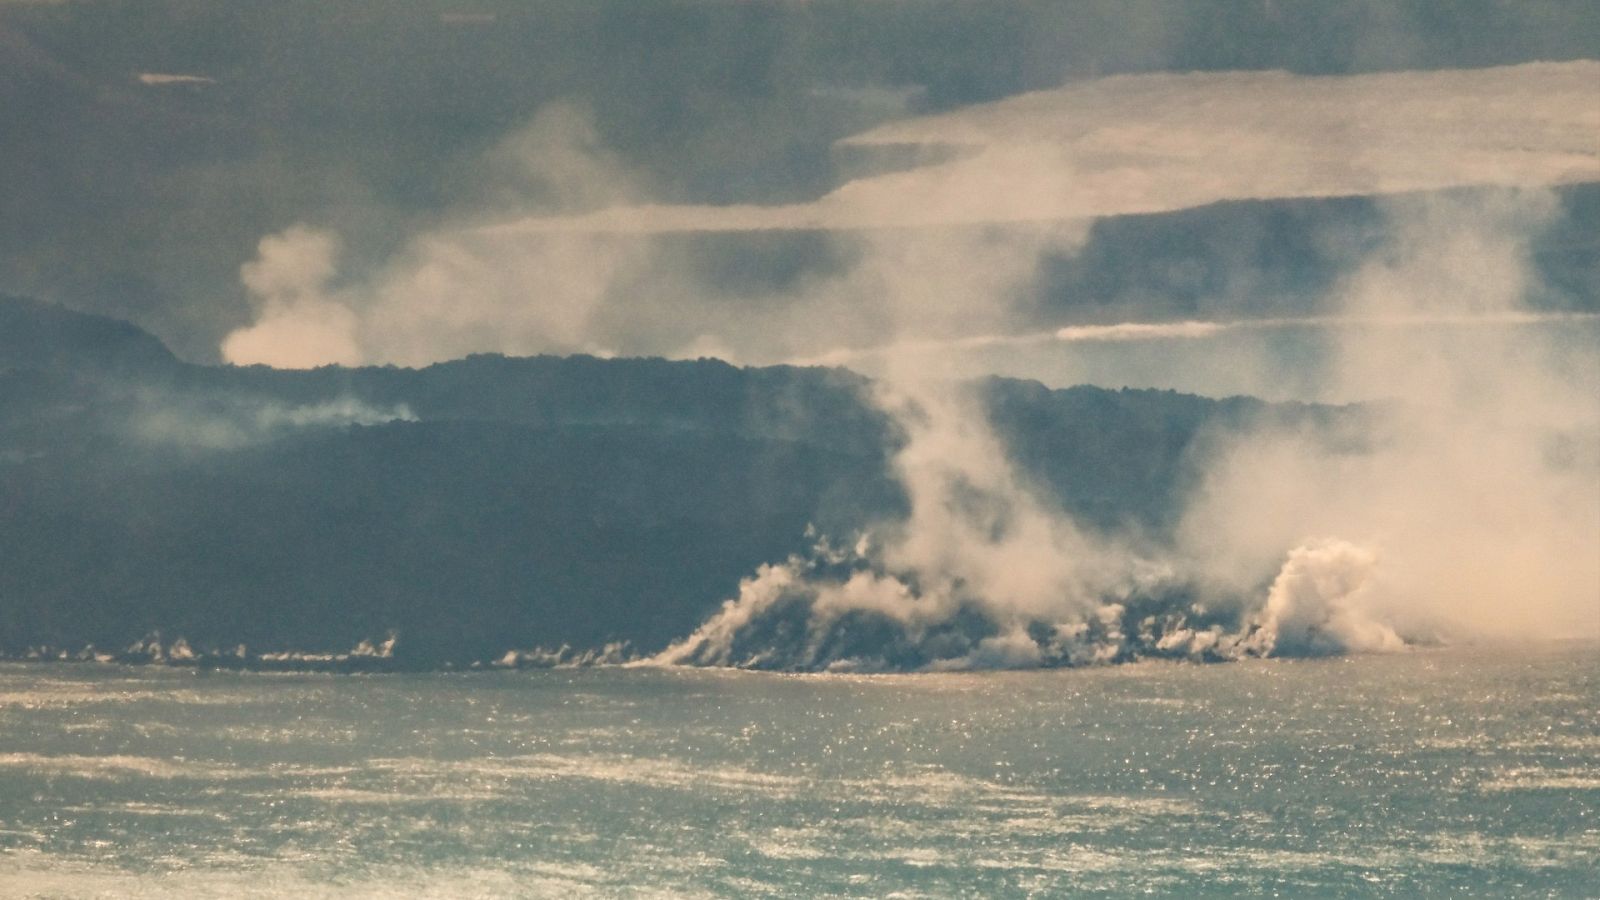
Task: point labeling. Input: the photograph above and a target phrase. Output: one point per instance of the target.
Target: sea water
(1452, 771)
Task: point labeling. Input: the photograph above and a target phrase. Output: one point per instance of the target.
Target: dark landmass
(475, 506)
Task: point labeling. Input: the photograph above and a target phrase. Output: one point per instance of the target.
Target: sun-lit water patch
(111, 767)
(1563, 779)
(1462, 770)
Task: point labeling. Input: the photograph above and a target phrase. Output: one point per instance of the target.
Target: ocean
(1456, 771)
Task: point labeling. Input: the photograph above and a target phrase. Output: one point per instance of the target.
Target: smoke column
(1470, 507)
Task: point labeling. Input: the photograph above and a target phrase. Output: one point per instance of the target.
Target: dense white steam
(298, 325)
(1479, 486)
(1470, 505)
(976, 544)
(1319, 603)
(983, 572)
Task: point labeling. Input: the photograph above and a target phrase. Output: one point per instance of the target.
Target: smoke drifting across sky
(140, 197)
(1160, 142)
(1042, 164)
(1478, 484)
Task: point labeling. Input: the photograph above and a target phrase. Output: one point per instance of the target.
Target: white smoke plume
(1480, 494)
(1472, 507)
(460, 288)
(983, 572)
(567, 253)
(228, 424)
(299, 324)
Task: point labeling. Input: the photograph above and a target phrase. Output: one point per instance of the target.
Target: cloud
(299, 324)
(1169, 141)
(1139, 331)
(160, 79)
(458, 289)
(1130, 343)
(567, 254)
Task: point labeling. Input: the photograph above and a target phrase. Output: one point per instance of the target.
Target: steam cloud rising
(1472, 509)
(1472, 506)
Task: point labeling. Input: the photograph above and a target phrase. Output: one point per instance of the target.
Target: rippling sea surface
(1465, 770)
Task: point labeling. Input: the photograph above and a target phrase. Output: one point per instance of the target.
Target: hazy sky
(150, 147)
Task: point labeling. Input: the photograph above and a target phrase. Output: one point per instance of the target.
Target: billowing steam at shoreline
(1362, 551)
(984, 574)
(1472, 508)
(837, 611)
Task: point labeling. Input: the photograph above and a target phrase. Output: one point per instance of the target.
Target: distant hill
(46, 336)
(478, 505)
